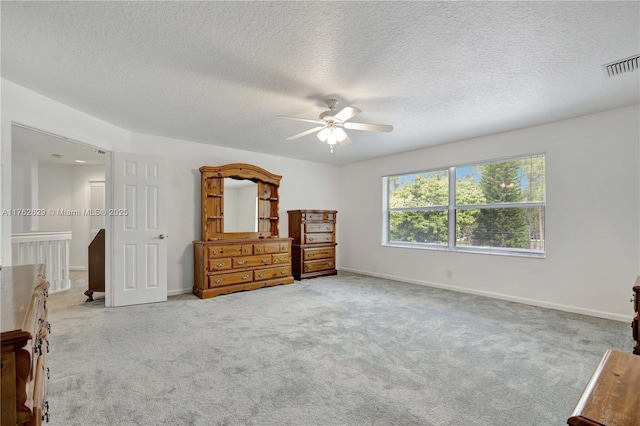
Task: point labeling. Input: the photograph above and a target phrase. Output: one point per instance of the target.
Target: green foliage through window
(497, 206)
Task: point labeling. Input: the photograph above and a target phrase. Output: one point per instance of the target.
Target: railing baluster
(48, 248)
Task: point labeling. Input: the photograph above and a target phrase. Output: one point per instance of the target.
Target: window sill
(473, 250)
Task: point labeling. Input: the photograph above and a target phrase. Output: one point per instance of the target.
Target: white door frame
(7, 122)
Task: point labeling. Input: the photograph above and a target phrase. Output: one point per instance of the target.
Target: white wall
(304, 185)
(23, 106)
(24, 194)
(54, 183)
(592, 211)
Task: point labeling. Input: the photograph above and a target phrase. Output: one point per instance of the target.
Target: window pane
(418, 226)
(514, 228)
(424, 189)
(520, 180)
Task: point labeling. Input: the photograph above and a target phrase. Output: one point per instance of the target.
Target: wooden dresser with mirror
(240, 247)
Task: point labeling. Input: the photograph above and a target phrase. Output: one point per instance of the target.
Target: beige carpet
(344, 350)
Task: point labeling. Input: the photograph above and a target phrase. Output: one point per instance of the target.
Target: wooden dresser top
(612, 396)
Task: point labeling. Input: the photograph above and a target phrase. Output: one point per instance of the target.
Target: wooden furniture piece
(635, 324)
(611, 397)
(24, 345)
(226, 262)
(96, 266)
(314, 242)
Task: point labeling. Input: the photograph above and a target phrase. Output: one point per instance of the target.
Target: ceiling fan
(332, 123)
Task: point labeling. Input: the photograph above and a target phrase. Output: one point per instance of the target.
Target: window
(494, 207)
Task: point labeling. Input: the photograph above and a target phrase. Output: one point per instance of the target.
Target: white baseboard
(523, 300)
(179, 291)
(77, 268)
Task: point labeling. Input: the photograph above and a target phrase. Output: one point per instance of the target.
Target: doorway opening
(58, 189)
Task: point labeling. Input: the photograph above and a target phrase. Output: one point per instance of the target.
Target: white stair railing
(49, 248)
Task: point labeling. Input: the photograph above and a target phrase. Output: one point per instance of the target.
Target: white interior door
(139, 232)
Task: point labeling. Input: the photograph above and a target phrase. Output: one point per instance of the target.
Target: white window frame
(452, 208)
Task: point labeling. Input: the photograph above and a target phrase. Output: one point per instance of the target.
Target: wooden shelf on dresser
(24, 345)
(314, 243)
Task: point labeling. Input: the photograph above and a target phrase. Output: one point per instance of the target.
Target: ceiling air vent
(623, 65)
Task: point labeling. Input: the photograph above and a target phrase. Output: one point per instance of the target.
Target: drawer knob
(264, 260)
(246, 250)
(245, 277)
(328, 228)
(258, 250)
(241, 262)
(261, 275)
(215, 252)
(221, 264)
(218, 280)
(309, 254)
(309, 266)
(45, 412)
(330, 263)
(310, 239)
(281, 258)
(283, 271)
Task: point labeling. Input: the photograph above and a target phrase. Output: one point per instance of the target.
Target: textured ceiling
(220, 72)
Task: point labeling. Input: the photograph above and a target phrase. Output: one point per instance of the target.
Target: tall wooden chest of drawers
(25, 330)
(313, 252)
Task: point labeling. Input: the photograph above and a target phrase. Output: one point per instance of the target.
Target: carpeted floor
(345, 350)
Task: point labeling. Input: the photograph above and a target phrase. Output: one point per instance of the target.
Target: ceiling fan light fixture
(332, 124)
(323, 134)
(332, 139)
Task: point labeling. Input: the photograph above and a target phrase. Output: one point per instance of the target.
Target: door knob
(162, 236)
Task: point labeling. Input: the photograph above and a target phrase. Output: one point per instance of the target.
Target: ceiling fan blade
(345, 141)
(301, 119)
(369, 127)
(346, 113)
(305, 133)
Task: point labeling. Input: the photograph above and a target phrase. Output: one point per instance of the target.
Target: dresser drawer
(232, 278)
(318, 227)
(224, 251)
(280, 258)
(318, 216)
(318, 238)
(267, 274)
(247, 261)
(318, 253)
(219, 264)
(319, 265)
(274, 248)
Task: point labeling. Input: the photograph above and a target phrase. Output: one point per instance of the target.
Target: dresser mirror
(240, 205)
(239, 201)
